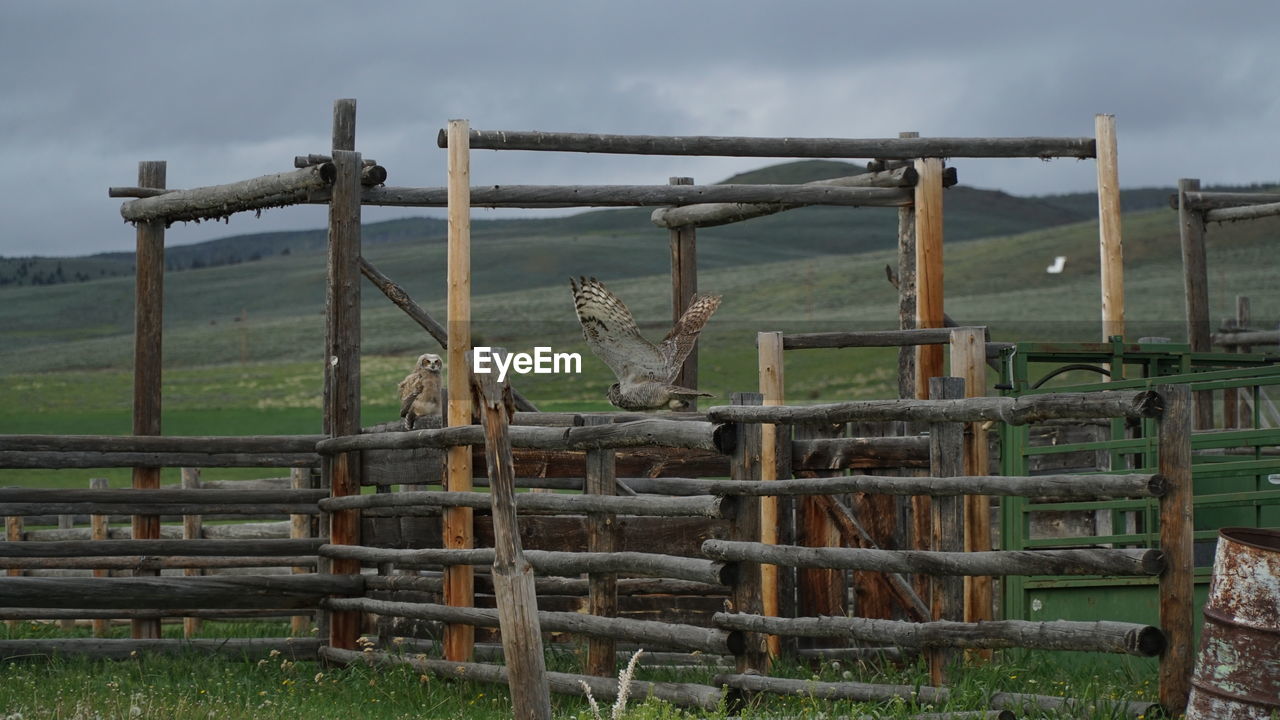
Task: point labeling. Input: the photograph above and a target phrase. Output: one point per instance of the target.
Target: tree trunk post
(745, 465)
(684, 286)
(1176, 529)
(946, 459)
(602, 536)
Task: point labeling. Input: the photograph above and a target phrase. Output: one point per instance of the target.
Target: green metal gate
(1236, 470)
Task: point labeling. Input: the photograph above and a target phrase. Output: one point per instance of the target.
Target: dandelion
(319, 677)
(273, 653)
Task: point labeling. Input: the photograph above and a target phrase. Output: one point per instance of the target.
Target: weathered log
(119, 649)
(242, 531)
(194, 548)
(547, 562)
(683, 694)
(1246, 212)
(1000, 562)
(219, 201)
(8, 613)
(246, 591)
(1108, 637)
(562, 196)
(193, 508)
(1049, 486)
(883, 148)
(163, 444)
(55, 460)
(551, 585)
(864, 692)
(135, 192)
(576, 419)
(642, 433)
(1250, 337)
(711, 214)
(1200, 200)
(873, 338)
(275, 483)
(851, 453)
(154, 562)
(646, 632)
(403, 502)
(1036, 704)
(1015, 411)
(1177, 532)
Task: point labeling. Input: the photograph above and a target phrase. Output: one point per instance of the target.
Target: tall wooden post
(684, 285)
(13, 529)
(1110, 233)
(342, 352)
(969, 363)
(1195, 275)
(98, 530)
(192, 529)
(946, 459)
(907, 292)
(929, 314)
(148, 317)
(299, 529)
(818, 591)
(459, 580)
(602, 537)
(1177, 583)
(745, 526)
(769, 349)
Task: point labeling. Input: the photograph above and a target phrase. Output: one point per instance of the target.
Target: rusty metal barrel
(1237, 675)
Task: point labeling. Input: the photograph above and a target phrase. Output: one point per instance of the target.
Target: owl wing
(611, 333)
(678, 343)
(409, 388)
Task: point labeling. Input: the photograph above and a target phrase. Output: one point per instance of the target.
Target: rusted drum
(1237, 675)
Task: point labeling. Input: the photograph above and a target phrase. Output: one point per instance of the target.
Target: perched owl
(420, 390)
(645, 371)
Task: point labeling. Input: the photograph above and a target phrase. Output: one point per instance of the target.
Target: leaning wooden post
(969, 363)
(1195, 277)
(684, 285)
(602, 537)
(744, 464)
(1110, 233)
(148, 317)
(192, 529)
(946, 459)
(513, 584)
(98, 530)
(299, 529)
(1176, 527)
(459, 640)
(769, 350)
(342, 353)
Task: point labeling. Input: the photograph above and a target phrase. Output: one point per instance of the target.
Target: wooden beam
(1195, 275)
(99, 530)
(907, 287)
(1249, 212)
(772, 385)
(946, 520)
(1110, 229)
(459, 640)
(1177, 599)
(602, 537)
(300, 529)
(968, 362)
(929, 292)
(684, 286)
(746, 596)
(819, 591)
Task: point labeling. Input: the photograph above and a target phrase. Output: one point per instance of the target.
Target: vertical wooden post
(745, 526)
(946, 459)
(148, 317)
(66, 522)
(13, 527)
(1243, 320)
(684, 285)
(929, 298)
(602, 537)
(459, 588)
(98, 531)
(192, 529)
(1110, 234)
(969, 363)
(342, 352)
(1195, 275)
(818, 591)
(299, 529)
(769, 350)
(786, 576)
(513, 583)
(1176, 527)
(907, 292)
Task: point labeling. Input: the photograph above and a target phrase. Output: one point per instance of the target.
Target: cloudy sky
(229, 90)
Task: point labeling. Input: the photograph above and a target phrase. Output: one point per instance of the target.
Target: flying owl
(645, 371)
(420, 390)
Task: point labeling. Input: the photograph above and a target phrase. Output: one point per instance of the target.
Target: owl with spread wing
(420, 390)
(645, 372)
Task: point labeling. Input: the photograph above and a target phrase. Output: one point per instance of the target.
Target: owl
(645, 371)
(420, 390)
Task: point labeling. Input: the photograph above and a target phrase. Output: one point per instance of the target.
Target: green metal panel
(1240, 487)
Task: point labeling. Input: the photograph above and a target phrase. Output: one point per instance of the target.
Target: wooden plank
(300, 529)
(929, 292)
(906, 284)
(684, 286)
(1195, 275)
(1176, 530)
(211, 592)
(968, 362)
(191, 530)
(819, 591)
(459, 640)
(1250, 212)
(98, 530)
(772, 385)
(746, 593)
(602, 536)
(946, 522)
(186, 444)
(342, 349)
(1110, 229)
(148, 323)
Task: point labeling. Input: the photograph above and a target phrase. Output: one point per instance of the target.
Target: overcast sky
(229, 90)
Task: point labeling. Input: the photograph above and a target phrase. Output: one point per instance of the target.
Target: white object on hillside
(1059, 262)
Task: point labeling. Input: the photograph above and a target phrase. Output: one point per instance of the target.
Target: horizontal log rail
(548, 585)
(712, 214)
(682, 694)
(219, 201)
(1250, 337)
(689, 435)
(1050, 486)
(645, 632)
(21, 613)
(60, 460)
(1108, 637)
(163, 443)
(232, 531)
(872, 338)
(695, 506)
(193, 548)
(1216, 200)
(237, 510)
(1015, 411)
(884, 148)
(1245, 212)
(996, 562)
(154, 562)
(163, 496)
(575, 419)
(124, 649)
(224, 591)
(548, 562)
(562, 196)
